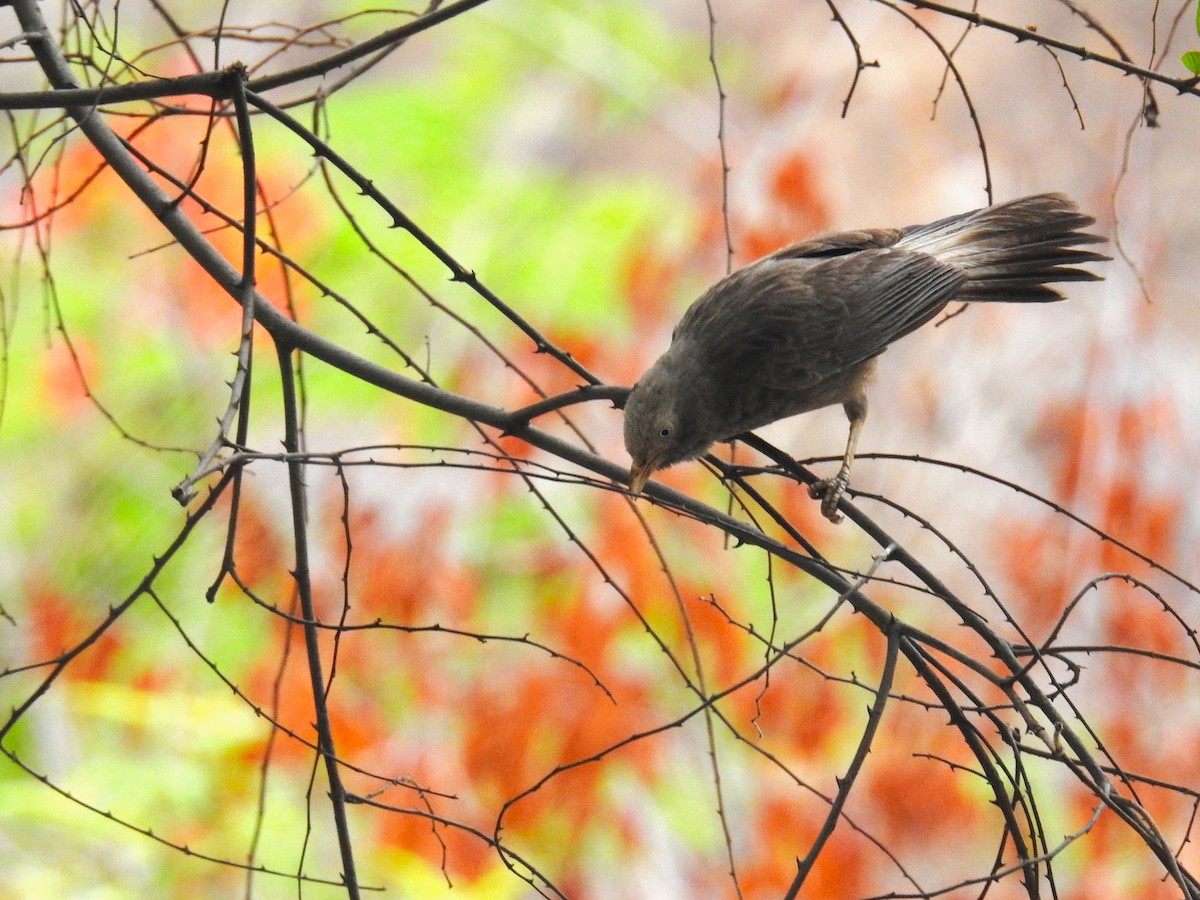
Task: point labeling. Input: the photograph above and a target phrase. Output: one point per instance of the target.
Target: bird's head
(666, 417)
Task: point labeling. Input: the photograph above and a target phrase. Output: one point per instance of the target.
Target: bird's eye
(664, 432)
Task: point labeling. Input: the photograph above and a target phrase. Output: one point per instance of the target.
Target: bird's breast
(749, 403)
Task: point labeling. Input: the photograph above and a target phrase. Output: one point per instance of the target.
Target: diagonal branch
(210, 84)
(1189, 85)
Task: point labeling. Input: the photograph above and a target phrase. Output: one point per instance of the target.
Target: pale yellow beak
(639, 474)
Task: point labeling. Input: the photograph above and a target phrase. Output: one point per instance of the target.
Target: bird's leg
(830, 490)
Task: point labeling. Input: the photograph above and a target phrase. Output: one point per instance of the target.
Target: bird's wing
(793, 322)
(839, 244)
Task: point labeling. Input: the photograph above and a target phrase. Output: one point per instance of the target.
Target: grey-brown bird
(801, 329)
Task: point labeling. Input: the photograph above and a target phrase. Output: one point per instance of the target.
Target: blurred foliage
(142, 726)
(1191, 58)
(500, 635)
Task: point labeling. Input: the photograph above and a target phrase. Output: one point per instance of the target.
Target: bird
(802, 328)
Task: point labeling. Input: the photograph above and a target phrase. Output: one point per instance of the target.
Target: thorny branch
(956, 680)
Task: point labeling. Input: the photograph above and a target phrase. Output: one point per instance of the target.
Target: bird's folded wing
(788, 324)
(840, 243)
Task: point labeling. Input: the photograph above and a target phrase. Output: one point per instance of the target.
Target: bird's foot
(829, 491)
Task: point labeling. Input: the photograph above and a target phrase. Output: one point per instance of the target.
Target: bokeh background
(572, 156)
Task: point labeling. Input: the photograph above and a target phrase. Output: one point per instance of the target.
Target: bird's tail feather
(1011, 251)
